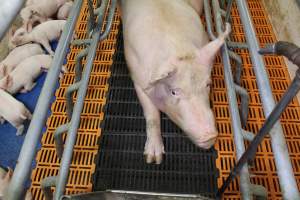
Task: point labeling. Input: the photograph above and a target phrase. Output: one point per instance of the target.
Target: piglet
(23, 76)
(5, 178)
(64, 10)
(39, 12)
(13, 111)
(43, 34)
(17, 55)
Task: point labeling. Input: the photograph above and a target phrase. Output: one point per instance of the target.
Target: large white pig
(170, 59)
(23, 76)
(42, 33)
(17, 55)
(13, 111)
(64, 10)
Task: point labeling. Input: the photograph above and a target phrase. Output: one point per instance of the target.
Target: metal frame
(8, 12)
(95, 22)
(28, 151)
(284, 168)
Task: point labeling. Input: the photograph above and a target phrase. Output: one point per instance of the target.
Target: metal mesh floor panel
(121, 165)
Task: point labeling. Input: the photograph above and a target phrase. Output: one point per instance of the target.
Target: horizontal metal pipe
(75, 120)
(8, 12)
(284, 168)
(29, 148)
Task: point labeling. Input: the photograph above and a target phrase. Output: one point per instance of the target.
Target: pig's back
(52, 29)
(9, 105)
(157, 30)
(21, 53)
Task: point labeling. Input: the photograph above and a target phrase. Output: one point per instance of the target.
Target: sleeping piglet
(23, 76)
(17, 55)
(13, 111)
(39, 12)
(64, 10)
(170, 59)
(42, 33)
(5, 178)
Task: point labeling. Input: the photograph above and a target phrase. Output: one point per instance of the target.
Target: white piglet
(43, 34)
(13, 111)
(23, 76)
(64, 11)
(39, 12)
(17, 55)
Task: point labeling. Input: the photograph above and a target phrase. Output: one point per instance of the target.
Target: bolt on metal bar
(245, 184)
(267, 126)
(75, 120)
(284, 168)
(8, 12)
(23, 168)
(46, 185)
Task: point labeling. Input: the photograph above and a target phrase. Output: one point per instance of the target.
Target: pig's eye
(175, 92)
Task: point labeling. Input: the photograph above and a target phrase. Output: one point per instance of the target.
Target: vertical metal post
(29, 148)
(284, 168)
(233, 105)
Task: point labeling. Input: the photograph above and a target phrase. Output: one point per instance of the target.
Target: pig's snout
(203, 137)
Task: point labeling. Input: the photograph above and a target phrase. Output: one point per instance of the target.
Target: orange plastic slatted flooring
(264, 171)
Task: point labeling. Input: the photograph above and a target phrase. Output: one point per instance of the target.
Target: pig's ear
(162, 73)
(8, 81)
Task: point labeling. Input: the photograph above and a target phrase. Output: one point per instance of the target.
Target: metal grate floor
(83, 166)
(120, 163)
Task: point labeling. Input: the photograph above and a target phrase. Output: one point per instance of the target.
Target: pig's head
(31, 17)
(20, 37)
(181, 90)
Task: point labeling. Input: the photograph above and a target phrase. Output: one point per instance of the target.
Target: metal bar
(8, 12)
(284, 168)
(91, 20)
(69, 98)
(237, 45)
(228, 10)
(29, 148)
(125, 195)
(59, 144)
(233, 107)
(267, 126)
(208, 20)
(74, 124)
(244, 108)
(46, 185)
(78, 65)
(239, 66)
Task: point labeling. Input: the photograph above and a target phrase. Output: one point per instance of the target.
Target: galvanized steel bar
(245, 184)
(75, 120)
(8, 12)
(46, 185)
(32, 138)
(284, 168)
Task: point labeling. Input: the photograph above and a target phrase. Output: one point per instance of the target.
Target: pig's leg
(20, 129)
(29, 86)
(154, 147)
(47, 46)
(2, 120)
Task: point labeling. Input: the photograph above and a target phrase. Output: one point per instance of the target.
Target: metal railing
(94, 28)
(284, 168)
(28, 151)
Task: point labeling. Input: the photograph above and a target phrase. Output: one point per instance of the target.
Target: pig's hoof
(154, 150)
